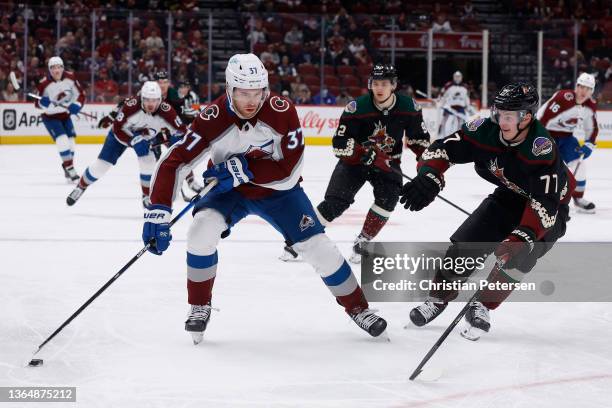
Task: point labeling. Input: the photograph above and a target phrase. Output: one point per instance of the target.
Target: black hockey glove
(421, 191)
(516, 248)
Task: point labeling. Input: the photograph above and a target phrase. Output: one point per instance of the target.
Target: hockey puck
(36, 362)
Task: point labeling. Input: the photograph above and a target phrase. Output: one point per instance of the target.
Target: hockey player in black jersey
(519, 222)
(369, 143)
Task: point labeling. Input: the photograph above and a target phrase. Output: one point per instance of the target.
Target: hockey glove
(165, 137)
(586, 149)
(45, 101)
(140, 145)
(74, 108)
(421, 191)
(516, 247)
(156, 229)
(373, 156)
(229, 174)
(107, 120)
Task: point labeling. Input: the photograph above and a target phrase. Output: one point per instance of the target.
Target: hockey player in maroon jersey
(172, 98)
(137, 123)
(61, 96)
(519, 222)
(562, 115)
(256, 151)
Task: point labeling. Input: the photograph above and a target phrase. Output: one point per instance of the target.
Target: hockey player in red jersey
(61, 96)
(137, 123)
(256, 151)
(562, 115)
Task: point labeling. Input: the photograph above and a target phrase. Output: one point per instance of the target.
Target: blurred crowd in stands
(291, 37)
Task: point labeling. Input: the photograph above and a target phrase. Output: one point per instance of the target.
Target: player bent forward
(256, 148)
(138, 123)
(530, 204)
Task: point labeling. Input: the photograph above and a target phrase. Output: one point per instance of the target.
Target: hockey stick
(195, 199)
(396, 171)
(498, 265)
(87, 115)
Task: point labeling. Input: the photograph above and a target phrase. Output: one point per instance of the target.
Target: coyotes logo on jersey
(381, 138)
(499, 173)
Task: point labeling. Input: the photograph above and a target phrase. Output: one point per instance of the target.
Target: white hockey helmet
(53, 61)
(457, 77)
(587, 80)
(246, 71)
(150, 90)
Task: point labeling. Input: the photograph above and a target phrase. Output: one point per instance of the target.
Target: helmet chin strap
(519, 131)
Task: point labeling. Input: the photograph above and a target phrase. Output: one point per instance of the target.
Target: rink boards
(22, 123)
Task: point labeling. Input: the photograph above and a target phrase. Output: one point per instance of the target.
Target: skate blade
(471, 333)
(583, 211)
(289, 258)
(197, 337)
(383, 337)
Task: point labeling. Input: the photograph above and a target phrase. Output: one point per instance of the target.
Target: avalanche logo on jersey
(64, 96)
(541, 146)
(306, 222)
(499, 173)
(381, 138)
(264, 151)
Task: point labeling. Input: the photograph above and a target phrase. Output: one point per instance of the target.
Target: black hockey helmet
(382, 71)
(161, 75)
(518, 96)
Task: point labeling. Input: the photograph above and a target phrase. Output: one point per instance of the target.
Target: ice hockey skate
(477, 321)
(197, 321)
(74, 195)
(584, 206)
(289, 255)
(370, 322)
(426, 312)
(358, 249)
(70, 174)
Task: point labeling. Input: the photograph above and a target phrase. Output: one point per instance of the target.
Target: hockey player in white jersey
(61, 96)
(568, 112)
(455, 105)
(138, 122)
(256, 149)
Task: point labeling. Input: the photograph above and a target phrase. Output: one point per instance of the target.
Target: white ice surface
(280, 340)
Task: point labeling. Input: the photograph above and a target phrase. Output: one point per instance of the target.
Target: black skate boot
(289, 254)
(584, 206)
(358, 249)
(74, 195)
(197, 321)
(370, 322)
(477, 321)
(70, 174)
(425, 313)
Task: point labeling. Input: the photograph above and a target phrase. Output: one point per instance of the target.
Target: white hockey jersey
(65, 91)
